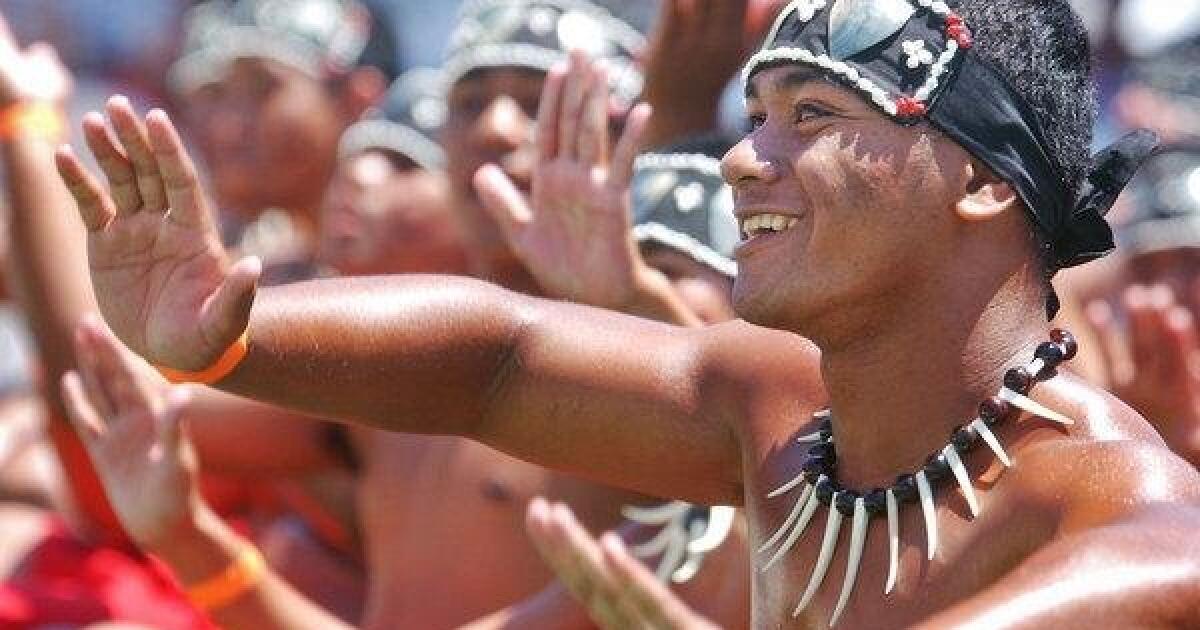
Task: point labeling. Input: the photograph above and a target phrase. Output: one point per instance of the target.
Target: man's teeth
(761, 223)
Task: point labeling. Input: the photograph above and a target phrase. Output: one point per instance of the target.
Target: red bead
(910, 108)
(954, 19)
(1066, 341)
(954, 31)
(964, 41)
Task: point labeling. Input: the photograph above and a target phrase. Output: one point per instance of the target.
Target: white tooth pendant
(791, 517)
(1033, 407)
(893, 514)
(801, 523)
(655, 515)
(981, 427)
(787, 487)
(720, 522)
(858, 538)
(929, 511)
(833, 526)
(964, 481)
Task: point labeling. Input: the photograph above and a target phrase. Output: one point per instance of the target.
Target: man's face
(704, 290)
(491, 115)
(383, 214)
(871, 201)
(268, 134)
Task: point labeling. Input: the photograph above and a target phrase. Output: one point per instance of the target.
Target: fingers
(592, 144)
(122, 181)
(630, 144)
(170, 423)
(132, 132)
(505, 204)
(86, 420)
(96, 206)
(1178, 334)
(89, 370)
(117, 371)
(655, 603)
(1113, 346)
(574, 98)
(227, 312)
(182, 184)
(549, 109)
(1141, 303)
(575, 558)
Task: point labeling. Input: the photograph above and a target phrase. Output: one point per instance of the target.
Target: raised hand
(705, 36)
(1154, 363)
(161, 276)
(616, 589)
(129, 420)
(31, 75)
(574, 234)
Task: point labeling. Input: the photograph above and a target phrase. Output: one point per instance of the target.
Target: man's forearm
(48, 255)
(49, 276)
(418, 354)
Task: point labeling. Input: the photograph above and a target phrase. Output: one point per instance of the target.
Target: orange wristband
(226, 363)
(222, 589)
(35, 120)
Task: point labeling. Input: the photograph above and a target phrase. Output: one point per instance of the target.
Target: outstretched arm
(46, 260)
(620, 400)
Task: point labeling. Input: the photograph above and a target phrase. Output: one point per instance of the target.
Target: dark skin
(899, 233)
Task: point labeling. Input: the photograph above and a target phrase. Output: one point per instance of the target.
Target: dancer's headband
(406, 122)
(537, 34)
(912, 60)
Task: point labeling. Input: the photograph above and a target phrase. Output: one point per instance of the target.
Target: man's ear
(363, 88)
(987, 196)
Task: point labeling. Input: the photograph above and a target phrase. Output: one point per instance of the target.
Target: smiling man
(904, 201)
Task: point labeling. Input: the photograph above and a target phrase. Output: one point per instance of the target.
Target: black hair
(1041, 48)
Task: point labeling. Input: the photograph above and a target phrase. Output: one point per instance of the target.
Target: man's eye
(806, 112)
(754, 121)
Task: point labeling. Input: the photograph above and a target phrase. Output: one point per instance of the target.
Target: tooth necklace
(818, 485)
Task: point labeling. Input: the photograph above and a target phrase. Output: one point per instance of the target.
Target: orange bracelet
(222, 589)
(36, 120)
(226, 363)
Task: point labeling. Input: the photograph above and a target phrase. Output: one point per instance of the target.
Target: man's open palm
(162, 279)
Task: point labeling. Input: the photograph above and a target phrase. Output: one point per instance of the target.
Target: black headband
(913, 60)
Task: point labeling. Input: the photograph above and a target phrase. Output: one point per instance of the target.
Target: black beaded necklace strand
(819, 486)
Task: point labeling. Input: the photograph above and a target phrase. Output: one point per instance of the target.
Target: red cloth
(66, 581)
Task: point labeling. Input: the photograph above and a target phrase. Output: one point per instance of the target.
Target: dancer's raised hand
(574, 233)
(128, 418)
(161, 276)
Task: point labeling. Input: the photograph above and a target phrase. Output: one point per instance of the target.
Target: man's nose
(748, 163)
(503, 126)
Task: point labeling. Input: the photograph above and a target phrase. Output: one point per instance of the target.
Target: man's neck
(899, 392)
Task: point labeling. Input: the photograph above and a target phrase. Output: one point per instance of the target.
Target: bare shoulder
(1110, 466)
(771, 377)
